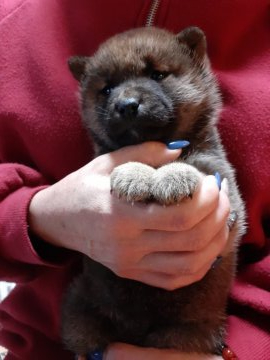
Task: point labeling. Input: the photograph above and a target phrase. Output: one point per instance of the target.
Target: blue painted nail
(179, 144)
(218, 179)
(216, 262)
(95, 355)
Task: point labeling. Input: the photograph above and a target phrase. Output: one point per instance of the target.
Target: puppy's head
(147, 84)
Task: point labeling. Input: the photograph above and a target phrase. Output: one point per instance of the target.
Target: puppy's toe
(174, 182)
(132, 181)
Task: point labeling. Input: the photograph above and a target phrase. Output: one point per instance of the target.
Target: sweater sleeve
(40, 128)
(19, 260)
(249, 304)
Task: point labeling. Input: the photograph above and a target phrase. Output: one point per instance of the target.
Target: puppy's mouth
(131, 135)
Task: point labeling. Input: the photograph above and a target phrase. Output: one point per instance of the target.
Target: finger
(174, 281)
(174, 270)
(194, 239)
(185, 215)
(186, 263)
(151, 153)
(122, 351)
(168, 281)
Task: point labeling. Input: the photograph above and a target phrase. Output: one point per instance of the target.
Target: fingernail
(216, 262)
(95, 355)
(179, 144)
(218, 179)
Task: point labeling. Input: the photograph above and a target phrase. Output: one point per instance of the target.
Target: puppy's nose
(127, 107)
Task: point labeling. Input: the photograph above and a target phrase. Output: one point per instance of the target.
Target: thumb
(151, 153)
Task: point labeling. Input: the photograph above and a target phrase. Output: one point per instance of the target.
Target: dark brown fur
(125, 101)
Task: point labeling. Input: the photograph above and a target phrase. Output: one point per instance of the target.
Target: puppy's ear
(195, 39)
(77, 65)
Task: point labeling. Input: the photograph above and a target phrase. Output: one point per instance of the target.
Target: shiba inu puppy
(142, 85)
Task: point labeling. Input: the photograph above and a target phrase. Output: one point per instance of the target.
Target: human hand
(164, 247)
(129, 352)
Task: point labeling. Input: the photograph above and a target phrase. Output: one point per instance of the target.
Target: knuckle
(125, 264)
(227, 206)
(197, 242)
(175, 282)
(120, 269)
(118, 256)
(149, 151)
(213, 193)
(199, 275)
(187, 268)
(180, 223)
(214, 199)
(192, 268)
(224, 237)
(153, 153)
(153, 147)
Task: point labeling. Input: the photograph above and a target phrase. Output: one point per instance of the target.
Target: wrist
(44, 245)
(39, 219)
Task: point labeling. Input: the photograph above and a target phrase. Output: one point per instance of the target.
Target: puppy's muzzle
(139, 110)
(127, 107)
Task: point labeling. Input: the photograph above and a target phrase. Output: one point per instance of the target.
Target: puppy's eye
(158, 76)
(106, 90)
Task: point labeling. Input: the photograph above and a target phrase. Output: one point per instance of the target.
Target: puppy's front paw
(132, 181)
(173, 182)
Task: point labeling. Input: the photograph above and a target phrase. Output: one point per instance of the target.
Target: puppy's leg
(84, 329)
(174, 182)
(132, 181)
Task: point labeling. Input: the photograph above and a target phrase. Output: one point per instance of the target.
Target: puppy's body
(148, 84)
